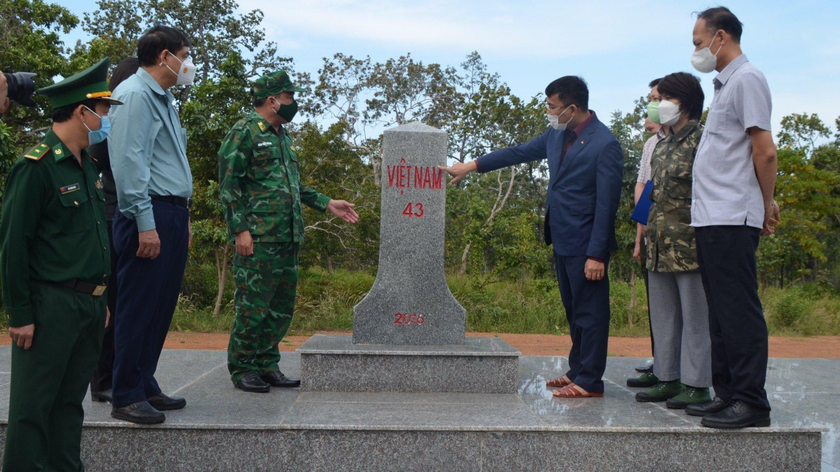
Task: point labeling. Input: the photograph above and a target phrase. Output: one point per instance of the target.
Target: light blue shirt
(148, 148)
(725, 191)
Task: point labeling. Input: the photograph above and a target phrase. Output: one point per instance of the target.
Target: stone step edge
(466, 429)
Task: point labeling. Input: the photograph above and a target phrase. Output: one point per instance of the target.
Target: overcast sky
(618, 46)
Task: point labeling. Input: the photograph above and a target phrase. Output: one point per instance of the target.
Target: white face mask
(553, 120)
(669, 113)
(703, 60)
(186, 73)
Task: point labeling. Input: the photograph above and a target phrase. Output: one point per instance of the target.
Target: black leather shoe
(163, 403)
(140, 413)
(646, 380)
(101, 397)
(277, 379)
(644, 368)
(702, 409)
(738, 415)
(252, 382)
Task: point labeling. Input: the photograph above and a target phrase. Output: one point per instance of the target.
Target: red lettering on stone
(418, 177)
(392, 170)
(437, 178)
(404, 176)
(427, 178)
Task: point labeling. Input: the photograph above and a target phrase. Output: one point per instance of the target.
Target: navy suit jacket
(583, 193)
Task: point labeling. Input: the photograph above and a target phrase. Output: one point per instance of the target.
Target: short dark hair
(60, 115)
(571, 90)
(721, 18)
(653, 83)
(685, 88)
(159, 38)
(125, 69)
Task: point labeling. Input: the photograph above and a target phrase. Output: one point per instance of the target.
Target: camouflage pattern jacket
(259, 183)
(671, 244)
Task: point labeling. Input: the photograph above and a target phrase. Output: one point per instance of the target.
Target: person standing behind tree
(732, 205)
(148, 150)
(54, 264)
(678, 310)
(262, 193)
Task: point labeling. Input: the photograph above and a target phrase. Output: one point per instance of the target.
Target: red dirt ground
(535, 344)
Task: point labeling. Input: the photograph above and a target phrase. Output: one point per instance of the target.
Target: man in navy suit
(585, 166)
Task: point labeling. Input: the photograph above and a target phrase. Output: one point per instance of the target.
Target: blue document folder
(640, 213)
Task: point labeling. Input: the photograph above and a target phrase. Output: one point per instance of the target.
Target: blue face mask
(96, 137)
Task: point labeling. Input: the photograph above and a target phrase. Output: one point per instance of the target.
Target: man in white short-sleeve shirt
(732, 205)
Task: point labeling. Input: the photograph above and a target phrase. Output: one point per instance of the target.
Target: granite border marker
(410, 302)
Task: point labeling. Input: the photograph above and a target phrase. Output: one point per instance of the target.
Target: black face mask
(288, 112)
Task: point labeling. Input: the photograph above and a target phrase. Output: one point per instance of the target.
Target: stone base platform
(335, 364)
(224, 429)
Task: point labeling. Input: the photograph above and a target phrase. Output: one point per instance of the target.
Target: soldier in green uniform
(54, 263)
(261, 191)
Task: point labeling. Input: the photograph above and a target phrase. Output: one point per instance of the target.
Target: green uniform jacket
(53, 225)
(259, 182)
(671, 243)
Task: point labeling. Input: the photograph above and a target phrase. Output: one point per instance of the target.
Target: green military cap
(88, 84)
(272, 84)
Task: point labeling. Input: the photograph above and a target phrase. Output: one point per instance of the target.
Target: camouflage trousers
(265, 303)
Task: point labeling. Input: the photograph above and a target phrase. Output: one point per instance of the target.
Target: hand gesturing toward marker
(459, 170)
(343, 210)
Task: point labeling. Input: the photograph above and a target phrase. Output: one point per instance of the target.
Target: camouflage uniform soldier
(261, 190)
(678, 308)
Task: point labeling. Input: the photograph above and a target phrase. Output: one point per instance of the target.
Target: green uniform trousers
(266, 284)
(49, 381)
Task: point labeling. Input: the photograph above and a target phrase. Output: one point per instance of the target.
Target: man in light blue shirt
(151, 230)
(152, 149)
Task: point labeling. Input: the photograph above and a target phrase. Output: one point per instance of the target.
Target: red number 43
(417, 210)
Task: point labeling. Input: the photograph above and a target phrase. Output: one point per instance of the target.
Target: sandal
(570, 391)
(558, 382)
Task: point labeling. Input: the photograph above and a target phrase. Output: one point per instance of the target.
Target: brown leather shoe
(559, 382)
(575, 391)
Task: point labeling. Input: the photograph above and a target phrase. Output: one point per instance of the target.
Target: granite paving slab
(497, 430)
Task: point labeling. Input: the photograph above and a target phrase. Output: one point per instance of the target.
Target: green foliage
(31, 42)
(326, 299)
(494, 222)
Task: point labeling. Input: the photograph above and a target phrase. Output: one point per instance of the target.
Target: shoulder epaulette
(37, 152)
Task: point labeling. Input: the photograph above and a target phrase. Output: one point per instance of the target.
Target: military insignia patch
(98, 184)
(261, 125)
(69, 188)
(57, 152)
(37, 152)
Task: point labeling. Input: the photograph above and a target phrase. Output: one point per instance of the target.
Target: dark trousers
(49, 381)
(736, 321)
(104, 372)
(647, 290)
(587, 305)
(146, 299)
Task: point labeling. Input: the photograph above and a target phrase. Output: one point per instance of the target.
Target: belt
(180, 201)
(84, 287)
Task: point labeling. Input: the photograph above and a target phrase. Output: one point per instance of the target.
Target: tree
(228, 49)
(808, 191)
(32, 43)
